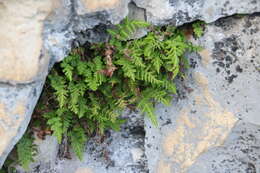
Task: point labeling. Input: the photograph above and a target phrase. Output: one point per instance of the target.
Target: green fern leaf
(26, 151)
(67, 70)
(157, 63)
(59, 85)
(128, 68)
(78, 140)
(147, 107)
(198, 28)
(148, 77)
(56, 126)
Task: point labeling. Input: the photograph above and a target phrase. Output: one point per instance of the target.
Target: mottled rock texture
(220, 93)
(21, 54)
(182, 11)
(35, 34)
(239, 153)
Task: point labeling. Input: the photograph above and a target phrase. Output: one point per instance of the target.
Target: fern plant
(95, 83)
(26, 151)
(198, 28)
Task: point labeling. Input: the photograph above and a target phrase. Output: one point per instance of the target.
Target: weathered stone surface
(21, 40)
(212, 126)
(84, 170)
(35, 34)
(188, 128)
(239, 153)
(234, 46)
(223, 87)
(16, 106)
(116, 8)
(179, 12)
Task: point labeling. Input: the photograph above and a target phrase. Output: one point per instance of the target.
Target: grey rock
(221, 88)
(18, 102)
(239, 153)
(179, 12)
(235, 49)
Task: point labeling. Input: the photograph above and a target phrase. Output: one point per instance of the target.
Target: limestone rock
(84, 170)
(239, 153)
(179, 12)
(223, 87)
(21, 41)
(16, 106)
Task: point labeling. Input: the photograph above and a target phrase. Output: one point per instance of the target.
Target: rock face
(21, 43)
(16, 106)
(179, 12)
(239, 153)
(23, 68)
(35, 34)
(222, 106)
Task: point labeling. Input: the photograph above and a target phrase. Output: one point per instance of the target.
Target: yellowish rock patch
(21, 38)
(98, 5)
(192, 136)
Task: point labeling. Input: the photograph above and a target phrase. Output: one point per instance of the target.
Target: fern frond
(92, 83)
(120, 103)
(126, 29)
(67, 70)
(74, 97)
(66, 121)
(157, 63)
(83, 108)
(78, 140)
(98, 63)
(198, 28)
(60, 87)
(161, 96)
(82, 69)
(137, 59)
(169, 86)
(56, 126)
(127, 67)
(148, 77)
(26, 151)
(147, 107)
(140, 24)
(99, 78)
(61, 96)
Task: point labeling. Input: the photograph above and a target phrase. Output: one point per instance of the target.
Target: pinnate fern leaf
(78, 140)
(26, 151)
